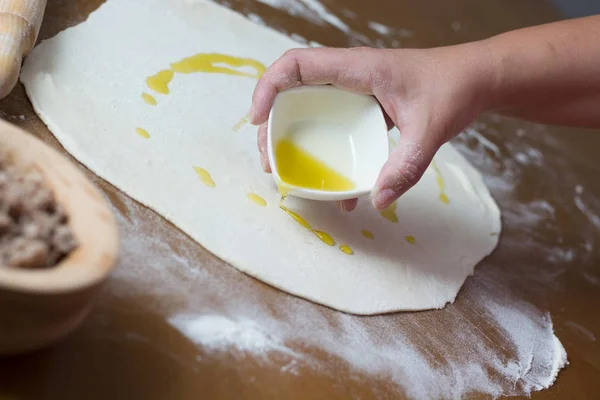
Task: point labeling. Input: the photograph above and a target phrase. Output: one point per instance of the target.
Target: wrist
(484, 72)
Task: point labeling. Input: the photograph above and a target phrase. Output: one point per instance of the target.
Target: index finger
(357, 69)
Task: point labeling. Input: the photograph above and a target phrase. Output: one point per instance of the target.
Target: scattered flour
(298, 38)
(255, 18)
(15, 117)
(581, 331)
(219, 333)
(585, 208)
(380, 28)
(312, 10)
(316, 13)
(385, 30)
(456, 26)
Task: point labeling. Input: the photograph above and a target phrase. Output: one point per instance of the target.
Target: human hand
(430, 95)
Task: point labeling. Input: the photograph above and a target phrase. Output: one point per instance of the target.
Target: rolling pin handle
(20, 22)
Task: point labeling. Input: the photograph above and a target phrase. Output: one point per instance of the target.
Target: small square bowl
(345, 130)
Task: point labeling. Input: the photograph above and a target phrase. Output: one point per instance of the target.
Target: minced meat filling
(33, 227)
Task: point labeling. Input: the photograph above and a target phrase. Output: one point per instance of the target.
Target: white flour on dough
(87, 83)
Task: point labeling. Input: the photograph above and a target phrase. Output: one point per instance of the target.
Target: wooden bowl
(41, 306)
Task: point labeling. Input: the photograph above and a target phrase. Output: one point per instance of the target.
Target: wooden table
(126, 349)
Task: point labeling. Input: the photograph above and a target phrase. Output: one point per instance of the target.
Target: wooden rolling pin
(20, 22)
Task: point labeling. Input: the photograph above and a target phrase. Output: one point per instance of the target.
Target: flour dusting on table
(491, 341)
(219, 333)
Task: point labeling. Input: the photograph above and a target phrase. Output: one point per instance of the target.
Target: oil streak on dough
(205, 177)
(440, 182)
(159, 82)
(142, 132)
(240, 124)
(368, 234)
(323, 236)
(149, 99)
(206, 63)
(210, 63)
(253, 197)
(390, 213)
(346, 249)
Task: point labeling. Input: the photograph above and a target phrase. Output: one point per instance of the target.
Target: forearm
(548, 73)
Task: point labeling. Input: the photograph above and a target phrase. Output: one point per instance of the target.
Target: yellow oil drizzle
(444, 199)
(390, 213)
(149, 99)
(241, 123)
(211, 63)
(324, 237)
(346, 249)
(283, 190)
(159, 82)
(142, 132)
(253, 197)
(295, 216)
(410, 239)
(440, 182)
(368, 234)
(298, 168)
(205, 177)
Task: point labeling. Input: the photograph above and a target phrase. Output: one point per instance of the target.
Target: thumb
(405, 167)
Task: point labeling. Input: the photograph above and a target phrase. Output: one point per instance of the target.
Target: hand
(430, 95)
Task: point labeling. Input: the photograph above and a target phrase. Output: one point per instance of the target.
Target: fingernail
(251, 115)
(383, 198)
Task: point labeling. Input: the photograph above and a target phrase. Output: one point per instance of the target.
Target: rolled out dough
(87, 83)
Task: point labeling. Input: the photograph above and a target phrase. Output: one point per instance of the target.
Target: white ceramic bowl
(347, 132)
